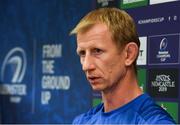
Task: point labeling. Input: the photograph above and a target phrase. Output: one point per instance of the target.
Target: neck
(125, 91)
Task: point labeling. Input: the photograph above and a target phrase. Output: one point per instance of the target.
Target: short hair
(120, 24)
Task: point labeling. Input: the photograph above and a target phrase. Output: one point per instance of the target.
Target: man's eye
(81, 53)
(97, 51)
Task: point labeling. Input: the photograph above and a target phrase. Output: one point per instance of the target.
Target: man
(108, 46)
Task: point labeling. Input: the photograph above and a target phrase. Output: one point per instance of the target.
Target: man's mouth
(93, 79)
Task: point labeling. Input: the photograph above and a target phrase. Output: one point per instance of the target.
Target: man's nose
(88, 63)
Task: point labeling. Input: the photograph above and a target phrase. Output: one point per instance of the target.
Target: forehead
(97, 37)
(97, 33)
(96, 29)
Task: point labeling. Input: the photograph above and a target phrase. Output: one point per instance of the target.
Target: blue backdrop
(41, 78)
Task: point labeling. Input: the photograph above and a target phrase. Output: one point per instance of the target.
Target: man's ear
(131, 50)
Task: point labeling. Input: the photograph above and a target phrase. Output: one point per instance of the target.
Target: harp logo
(12, 74)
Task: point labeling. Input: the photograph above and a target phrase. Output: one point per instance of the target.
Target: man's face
(101, 60)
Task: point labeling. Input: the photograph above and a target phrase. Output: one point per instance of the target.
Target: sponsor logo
(142, 52)
(160, 1)
(133, 3)
(141, 75)
(163, 53)
(163, 83)
(12, 74)
(106, 3)
(165, 49)
(171, 108)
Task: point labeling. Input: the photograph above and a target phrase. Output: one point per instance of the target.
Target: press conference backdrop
(40, 75)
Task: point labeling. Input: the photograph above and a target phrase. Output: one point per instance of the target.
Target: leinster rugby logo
(163, 54)
(12, 74)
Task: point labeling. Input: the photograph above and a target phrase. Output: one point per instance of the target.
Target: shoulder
(83, 118)
(151, 113)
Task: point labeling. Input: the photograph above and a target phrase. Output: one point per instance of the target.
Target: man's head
(119, 23)
(108, 46)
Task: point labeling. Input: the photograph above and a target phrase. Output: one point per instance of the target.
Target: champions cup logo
(13, 71)
(163, 54)
(163, 44)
